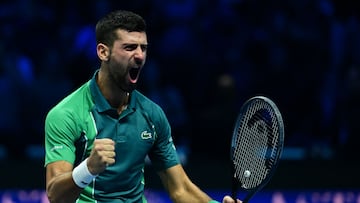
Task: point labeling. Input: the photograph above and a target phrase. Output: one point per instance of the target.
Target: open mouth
(134, 74)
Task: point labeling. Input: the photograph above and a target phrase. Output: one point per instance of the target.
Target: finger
(106, 147)
(228, 199)
(108, 154)
(110, 162)
(105, 141)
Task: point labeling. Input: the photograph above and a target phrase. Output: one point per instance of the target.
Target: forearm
(62, 189)
(190, 193)
(180, 188)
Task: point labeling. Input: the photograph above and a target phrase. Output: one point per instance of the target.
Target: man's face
(127, 57)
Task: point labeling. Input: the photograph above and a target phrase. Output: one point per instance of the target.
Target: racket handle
(234, 189)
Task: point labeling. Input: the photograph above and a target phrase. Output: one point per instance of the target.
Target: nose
(139, 56)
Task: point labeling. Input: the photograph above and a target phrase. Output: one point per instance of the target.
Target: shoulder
(149, 108)
(73, 104)
(142, 102)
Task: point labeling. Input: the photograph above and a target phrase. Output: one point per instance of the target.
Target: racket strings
(257, 153)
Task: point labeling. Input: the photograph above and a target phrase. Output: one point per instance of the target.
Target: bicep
(60, 186)
(56, 169)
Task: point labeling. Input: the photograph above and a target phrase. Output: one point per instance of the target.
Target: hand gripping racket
(256, 145)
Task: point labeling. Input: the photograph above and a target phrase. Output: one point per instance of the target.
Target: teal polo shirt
(141, 129)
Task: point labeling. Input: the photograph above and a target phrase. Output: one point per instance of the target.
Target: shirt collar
(100, 102)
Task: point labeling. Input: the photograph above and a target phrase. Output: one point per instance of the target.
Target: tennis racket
(256, 145)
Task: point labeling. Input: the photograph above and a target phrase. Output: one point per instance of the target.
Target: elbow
(57, 193)
(52, 197)
(50, 194)
(56, 197)
(59, 196)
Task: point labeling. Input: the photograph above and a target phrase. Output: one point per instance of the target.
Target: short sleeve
(60, 135)
(163, 154)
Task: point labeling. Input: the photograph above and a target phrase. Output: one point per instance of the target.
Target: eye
(131, 47)
(144, 47)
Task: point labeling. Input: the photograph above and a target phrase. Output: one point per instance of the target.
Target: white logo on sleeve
(146, 135)
(171, 141)
(56, 147)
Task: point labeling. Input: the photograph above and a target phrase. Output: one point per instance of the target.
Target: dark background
(205, 59)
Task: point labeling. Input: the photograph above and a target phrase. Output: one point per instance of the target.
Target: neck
(116, 97)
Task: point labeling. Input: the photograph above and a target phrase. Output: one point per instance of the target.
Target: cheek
(119, 54)
(119, 60)
(116, 67)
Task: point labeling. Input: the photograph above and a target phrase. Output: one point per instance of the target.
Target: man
(97, 138)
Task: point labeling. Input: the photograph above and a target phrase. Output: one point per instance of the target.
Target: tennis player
(97, 138)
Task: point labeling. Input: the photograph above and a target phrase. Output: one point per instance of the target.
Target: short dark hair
(119, 19)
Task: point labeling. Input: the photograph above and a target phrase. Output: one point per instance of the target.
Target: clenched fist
(102, 155)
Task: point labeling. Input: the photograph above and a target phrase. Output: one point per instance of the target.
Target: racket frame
(243, 110)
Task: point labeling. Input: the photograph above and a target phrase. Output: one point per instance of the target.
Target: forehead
(131, 37)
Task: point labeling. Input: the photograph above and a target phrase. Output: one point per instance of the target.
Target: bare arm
(60, 185)
(180, 187)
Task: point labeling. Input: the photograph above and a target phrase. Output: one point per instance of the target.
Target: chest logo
(145, 135)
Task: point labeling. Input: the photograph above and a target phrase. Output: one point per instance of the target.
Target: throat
(124, 104)
(121, 108)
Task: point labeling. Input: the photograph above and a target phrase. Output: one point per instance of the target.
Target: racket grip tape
(234, 188)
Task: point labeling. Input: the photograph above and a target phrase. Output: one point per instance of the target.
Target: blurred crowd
(206, 57)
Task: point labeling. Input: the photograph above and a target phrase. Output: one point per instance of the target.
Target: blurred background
(205, 58)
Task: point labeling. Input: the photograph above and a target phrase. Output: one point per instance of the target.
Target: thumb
(228, 199)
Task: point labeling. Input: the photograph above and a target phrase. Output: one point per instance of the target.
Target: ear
(103, 52)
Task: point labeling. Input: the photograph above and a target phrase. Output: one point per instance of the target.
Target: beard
(120, 75)
(130, 87)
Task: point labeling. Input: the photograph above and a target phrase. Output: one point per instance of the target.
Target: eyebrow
(127, 44)
(135, 45)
